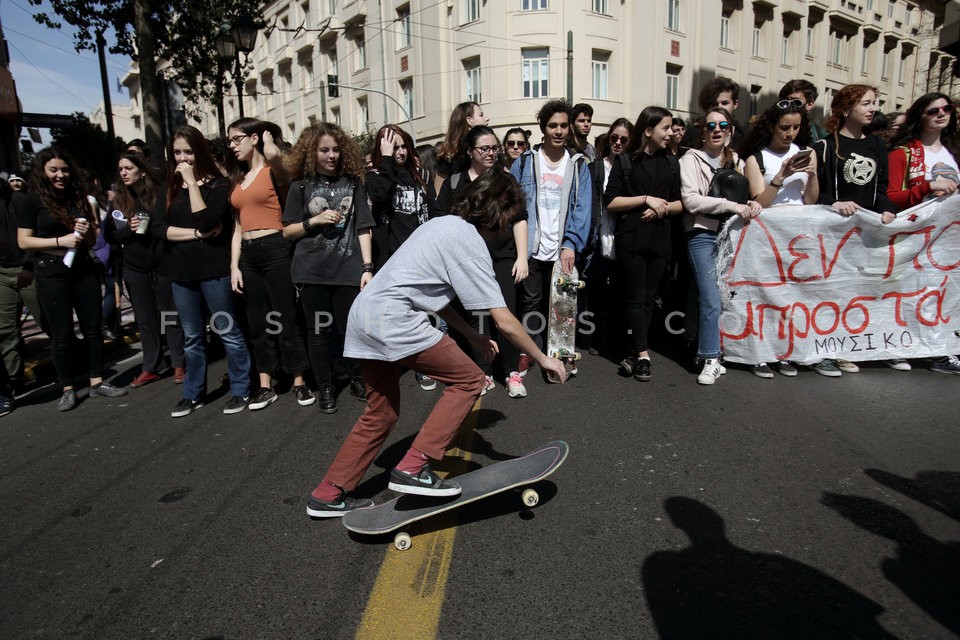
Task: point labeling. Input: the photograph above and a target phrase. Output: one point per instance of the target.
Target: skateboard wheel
(530, 497)
(577, 356)
(402, 541)
(561, 282)
(581, 284)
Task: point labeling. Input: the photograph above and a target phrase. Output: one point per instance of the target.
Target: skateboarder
(389, 329)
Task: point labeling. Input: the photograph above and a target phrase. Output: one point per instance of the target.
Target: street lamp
(235, 38)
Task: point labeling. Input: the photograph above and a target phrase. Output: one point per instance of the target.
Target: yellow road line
(407, 597)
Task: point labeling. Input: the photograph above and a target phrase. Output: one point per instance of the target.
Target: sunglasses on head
(932, 111)
(786, 104)
(614, 139)
(516, 144)
(710, 126)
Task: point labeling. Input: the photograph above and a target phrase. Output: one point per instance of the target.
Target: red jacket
(906, 168)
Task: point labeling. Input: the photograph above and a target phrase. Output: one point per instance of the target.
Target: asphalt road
(786, 508)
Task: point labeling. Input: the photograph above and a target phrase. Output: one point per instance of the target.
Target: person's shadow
(713, 589)
(926, 570)
(939, 490)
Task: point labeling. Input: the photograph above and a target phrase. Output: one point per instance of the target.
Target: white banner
(803, 283)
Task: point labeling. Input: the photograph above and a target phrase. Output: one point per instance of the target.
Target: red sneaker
(526, 362)
(145, 377)
(179, 375)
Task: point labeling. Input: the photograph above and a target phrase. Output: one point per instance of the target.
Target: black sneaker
(320, 509)
(642, 371)
(629, 365)
(185, 407)
(106, 390)
(358, 389)
(304, 396)
(327, 398)
(262, 399)
(6, 404)
(425, 483)
(236, 404)
(67, 401)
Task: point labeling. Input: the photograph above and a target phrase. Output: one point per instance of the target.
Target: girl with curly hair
(328, 218)
(59, 225)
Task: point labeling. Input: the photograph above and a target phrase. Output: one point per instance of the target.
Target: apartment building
(416, 59)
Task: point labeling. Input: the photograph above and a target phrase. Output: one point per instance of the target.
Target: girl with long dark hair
(924, 164)
(329, 220)
(59, 225)
(260, 259)
(398, 192)
(641, 196)
(196, 221)
(135, 196)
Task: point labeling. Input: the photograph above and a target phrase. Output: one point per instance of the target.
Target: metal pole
(413, 133)
(220, 116)
(570, 66)
(239, 82)
(107, 108)
(323, 101)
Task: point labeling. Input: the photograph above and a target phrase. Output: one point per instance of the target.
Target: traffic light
(333, 88)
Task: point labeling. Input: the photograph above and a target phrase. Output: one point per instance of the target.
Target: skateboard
(476, 485)
(562, 323)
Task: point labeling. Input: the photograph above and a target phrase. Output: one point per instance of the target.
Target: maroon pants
(444, 362)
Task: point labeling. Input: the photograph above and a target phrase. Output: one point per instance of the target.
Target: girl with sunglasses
(923, 161)
(704, 216)
(641, 202)
(260, 259)
(601, 273)
(924, 164)
(515, 142)
(778, 176)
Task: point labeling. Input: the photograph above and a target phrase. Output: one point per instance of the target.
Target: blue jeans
(702, 250)
(189, 298)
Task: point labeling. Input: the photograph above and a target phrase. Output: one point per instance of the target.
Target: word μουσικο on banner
(803, 283)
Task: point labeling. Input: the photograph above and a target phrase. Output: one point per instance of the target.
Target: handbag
(731, 185)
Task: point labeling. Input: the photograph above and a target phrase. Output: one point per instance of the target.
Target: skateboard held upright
(562, 321)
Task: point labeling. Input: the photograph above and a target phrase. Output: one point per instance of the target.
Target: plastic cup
(143, 222)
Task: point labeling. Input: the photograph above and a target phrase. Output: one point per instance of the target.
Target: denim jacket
(576, 201)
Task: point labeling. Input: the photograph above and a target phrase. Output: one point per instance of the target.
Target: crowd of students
(269, 247)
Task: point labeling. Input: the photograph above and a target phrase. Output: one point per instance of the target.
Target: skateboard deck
(562, 321)
(476, 485)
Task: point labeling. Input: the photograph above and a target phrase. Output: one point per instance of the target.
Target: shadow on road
(713, 589)
(939, 490)
(926, 570)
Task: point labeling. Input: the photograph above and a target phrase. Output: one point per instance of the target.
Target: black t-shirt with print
(329, 254)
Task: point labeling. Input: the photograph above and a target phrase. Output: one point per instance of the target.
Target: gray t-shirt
(444, 258)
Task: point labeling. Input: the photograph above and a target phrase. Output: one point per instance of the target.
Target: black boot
(326, 398)
(358, 389)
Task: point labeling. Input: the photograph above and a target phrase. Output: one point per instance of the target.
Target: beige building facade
(617, 55)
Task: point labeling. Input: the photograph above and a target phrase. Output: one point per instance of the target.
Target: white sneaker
(712, 369)
(515, 388)
(488, 385)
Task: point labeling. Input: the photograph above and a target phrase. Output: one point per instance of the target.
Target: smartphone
(801, 155)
